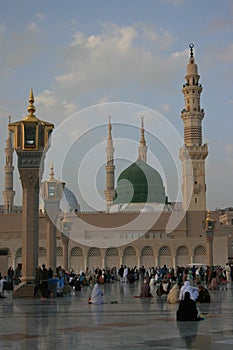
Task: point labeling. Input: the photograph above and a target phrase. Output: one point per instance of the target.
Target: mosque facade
(140, 226)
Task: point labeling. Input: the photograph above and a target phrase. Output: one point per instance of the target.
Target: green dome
(139, 183)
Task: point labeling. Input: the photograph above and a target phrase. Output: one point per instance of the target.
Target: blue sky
(78, 54)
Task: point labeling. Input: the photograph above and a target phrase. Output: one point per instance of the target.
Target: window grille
(76, 251)
(164, 251)
(147, 251)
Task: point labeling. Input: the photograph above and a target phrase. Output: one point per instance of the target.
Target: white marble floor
(131, 323)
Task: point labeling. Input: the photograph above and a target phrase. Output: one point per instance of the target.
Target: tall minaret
(8, 193)
(193, 153)
(142, 149)
(110, 168)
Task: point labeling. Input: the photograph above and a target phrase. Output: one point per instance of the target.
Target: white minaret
(9, 193)
(110, 168)
(142, 149)
(193, 153)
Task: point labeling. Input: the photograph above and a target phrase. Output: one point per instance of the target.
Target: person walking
(44, 276)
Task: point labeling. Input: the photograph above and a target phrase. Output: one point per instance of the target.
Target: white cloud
(47, 98)
(50, 104)
(40, 15)
(79, 39)
(106, 99)
(115, 58)
(180, 54)
(161, 37)
(32, 27)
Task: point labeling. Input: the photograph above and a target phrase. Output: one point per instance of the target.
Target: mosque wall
(154, 248)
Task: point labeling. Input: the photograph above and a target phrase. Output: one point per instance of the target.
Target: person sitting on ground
(97, 296)
(187, 310)
(173, 295)
(188, 288)
(160, 291)
(166, 284)
(204, 295)
(145, 290)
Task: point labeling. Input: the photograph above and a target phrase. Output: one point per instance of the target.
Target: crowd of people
(185, 286)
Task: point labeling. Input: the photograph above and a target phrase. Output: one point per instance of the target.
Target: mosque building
(140, 226)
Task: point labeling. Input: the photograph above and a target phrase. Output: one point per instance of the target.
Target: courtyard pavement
(122, 322)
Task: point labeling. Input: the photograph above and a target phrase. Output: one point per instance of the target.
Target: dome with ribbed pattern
(140, 183)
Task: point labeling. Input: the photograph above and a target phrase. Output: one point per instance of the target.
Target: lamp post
(31, 141)
(52, 192)
(209, 226)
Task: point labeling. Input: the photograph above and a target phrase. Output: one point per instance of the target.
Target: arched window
(19, 253)
(164, 251)
(94, 252)
(182, 251)
(129, 251)
(147, 251)
(76, 251)
(200, 250)
(59, 251)
(112, 252)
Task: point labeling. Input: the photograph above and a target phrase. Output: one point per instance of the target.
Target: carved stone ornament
(29, 178)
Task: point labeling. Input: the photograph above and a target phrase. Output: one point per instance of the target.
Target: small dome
(139, 183)
(71, 199)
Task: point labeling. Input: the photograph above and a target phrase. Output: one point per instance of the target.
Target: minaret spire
(193, 153)
(191, 46)
(110, 168)
(9, 193)
(142, 149)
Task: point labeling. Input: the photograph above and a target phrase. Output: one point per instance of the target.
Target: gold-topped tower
(31, 141)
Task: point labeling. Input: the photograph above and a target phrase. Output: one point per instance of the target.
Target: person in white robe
(97, 296)
(193, 291)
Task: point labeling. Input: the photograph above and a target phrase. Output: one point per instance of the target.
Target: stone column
(174, 261)
(138, 261)
(103, 256)
(65, 241)
(210, 255)
(30, 184)
(51, 243)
